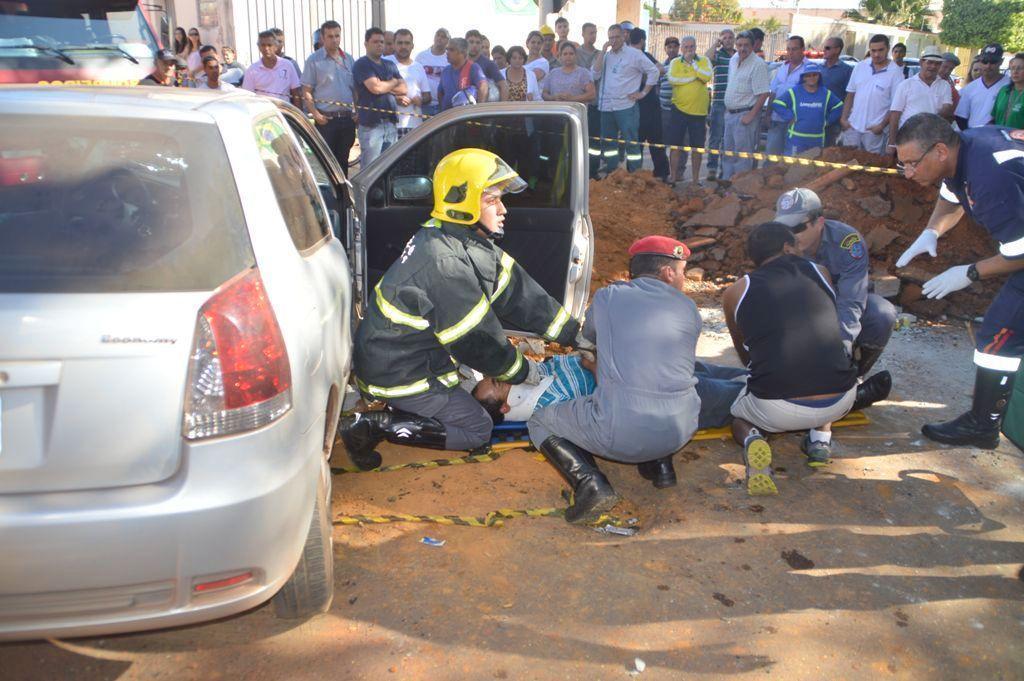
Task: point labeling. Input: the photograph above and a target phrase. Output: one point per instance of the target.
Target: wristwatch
(972, 273)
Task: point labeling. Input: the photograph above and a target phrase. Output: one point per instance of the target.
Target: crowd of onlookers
(725, 99)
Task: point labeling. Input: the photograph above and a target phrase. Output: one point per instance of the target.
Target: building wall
(504, 22)
(238, 22)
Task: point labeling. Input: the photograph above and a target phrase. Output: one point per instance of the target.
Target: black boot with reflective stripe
(592, 493)
(405, 428)
(980, 426)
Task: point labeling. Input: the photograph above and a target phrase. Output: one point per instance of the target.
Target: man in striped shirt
(720, 53)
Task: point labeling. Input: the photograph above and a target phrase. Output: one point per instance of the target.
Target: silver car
(174, 345)
(175, 336)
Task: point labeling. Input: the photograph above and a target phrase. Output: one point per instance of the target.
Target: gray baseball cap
(949, 56)
(795, 206)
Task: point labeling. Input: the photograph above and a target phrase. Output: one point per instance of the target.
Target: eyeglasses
(912, 165)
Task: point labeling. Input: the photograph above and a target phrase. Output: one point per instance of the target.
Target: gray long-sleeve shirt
(845, 255)
(646, 335)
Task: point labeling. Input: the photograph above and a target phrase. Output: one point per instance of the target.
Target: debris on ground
(889, 210)
(430, 541)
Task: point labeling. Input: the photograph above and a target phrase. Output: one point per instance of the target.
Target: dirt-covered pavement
(900, 560)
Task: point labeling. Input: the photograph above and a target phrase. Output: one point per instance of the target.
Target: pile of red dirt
(889, 210)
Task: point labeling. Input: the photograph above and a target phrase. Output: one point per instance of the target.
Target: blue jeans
(430, 109)
(776, 141)
(717, 132)
(739, 137)
(718, 389)
(373, 141)
(626, 122)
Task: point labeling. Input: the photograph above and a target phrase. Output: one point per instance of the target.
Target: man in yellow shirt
(689, 75)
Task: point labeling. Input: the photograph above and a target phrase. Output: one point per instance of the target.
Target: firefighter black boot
(875, 389)
(361, 432)
(592, 493)
(414, 430)
(980, 426)
(660, 472)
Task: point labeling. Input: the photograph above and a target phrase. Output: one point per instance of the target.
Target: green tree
(905, 13)
(706, 10)
(769, 25)
(974, 23)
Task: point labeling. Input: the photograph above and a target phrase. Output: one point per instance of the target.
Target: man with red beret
(645, 406)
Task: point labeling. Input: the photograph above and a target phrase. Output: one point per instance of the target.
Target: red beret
(660, 245)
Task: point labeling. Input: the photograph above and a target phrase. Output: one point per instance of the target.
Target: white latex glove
(585, 354)
(953, 279)
(582, 343)
(533, 376)
(927, 242)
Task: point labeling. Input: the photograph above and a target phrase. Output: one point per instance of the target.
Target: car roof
(148, 102)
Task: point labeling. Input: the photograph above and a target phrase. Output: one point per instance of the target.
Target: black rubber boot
(869, 354)
(875, 389)
(592, 493)
(980, 426)
(660, 472)
(361, 433)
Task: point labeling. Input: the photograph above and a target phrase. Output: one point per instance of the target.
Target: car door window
(539, 226)
(294, 187)
(538, 147)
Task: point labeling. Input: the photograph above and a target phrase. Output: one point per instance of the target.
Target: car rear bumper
(106, 561)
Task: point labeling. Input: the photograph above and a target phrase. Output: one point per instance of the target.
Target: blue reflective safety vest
(809, 114)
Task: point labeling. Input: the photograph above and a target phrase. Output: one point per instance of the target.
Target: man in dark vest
(785, 328)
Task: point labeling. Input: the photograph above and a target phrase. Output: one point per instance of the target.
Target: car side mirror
(411, 187)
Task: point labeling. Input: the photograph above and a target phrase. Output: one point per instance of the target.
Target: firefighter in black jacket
(441, 304)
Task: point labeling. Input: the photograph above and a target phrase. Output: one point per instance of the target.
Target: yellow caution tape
(774, 158)
(857, 418)
(495, 518)
(493, 454)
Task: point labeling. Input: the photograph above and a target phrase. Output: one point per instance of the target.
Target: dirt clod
(889, 210)
(723, 599)
(797, 560)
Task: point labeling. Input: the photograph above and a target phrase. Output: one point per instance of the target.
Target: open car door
(547, 229)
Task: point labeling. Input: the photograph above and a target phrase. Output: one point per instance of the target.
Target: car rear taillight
(238, 377)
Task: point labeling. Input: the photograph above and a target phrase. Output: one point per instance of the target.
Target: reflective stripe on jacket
(809, 112)
(443, 303)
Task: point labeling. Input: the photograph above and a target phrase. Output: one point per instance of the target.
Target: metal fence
(706, 35)
(299, 19)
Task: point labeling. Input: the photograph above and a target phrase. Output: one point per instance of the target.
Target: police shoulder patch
(853, 244)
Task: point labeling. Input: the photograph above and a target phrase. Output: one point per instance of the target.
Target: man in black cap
(979, 96)
(163, 70)
(865, 319)
(949, 62)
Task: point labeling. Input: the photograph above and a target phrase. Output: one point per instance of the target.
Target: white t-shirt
(433, 65)
(277, 82)
(872, 93)
(976, 101)
(416, 82)
(205, 85)
(914, 96)
(540, 63)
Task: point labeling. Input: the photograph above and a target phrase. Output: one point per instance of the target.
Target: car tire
(310, 589)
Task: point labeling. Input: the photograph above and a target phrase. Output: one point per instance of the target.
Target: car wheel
(310, 589)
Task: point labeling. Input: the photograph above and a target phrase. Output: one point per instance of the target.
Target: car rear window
(91, 204)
